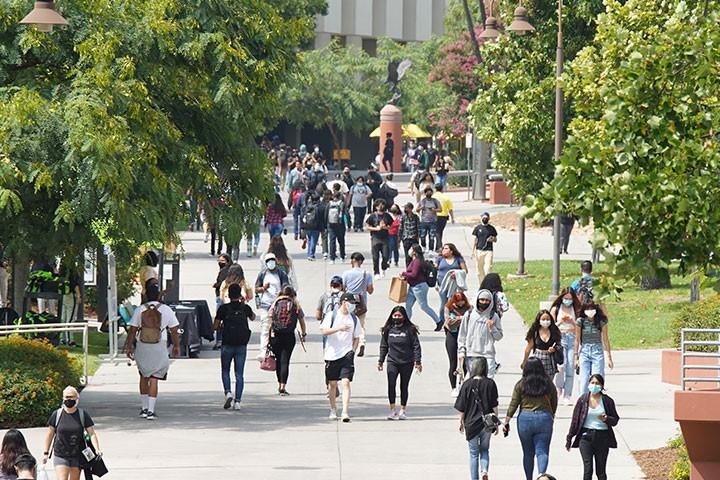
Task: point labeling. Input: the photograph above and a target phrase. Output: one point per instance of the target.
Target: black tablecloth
(204, 318)
(190, 339)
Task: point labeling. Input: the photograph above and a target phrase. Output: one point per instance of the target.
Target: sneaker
(345, 418)
(438, 326)
(402, 415)
(143, 413)
(332, 262)
(311, 259)
(567, 401)
(484, 476)
(454, 392)
(377, 276)
(217, 346)
(393, 415)
(382, 274)
(236, 405)
(333, 415)
(151, 416)
(284, 393)
(343, 260)
(325, 256)
(361, 351)
(228, 400)
(249, 254)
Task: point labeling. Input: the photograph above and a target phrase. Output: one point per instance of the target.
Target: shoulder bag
(490, 420)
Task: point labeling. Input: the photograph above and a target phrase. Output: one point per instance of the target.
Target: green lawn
(98, 344)
(640, 319)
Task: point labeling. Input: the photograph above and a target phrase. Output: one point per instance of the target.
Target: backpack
(296, 197)
(332, 322)
(310, 215)
(335, 210)
(418, 178)
(431, 273)
(235, 328)
(285, 315)
(585, 289)
(150, 324)
(332, 303)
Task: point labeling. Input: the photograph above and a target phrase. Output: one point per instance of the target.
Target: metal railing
(83, 327)
(685, 343)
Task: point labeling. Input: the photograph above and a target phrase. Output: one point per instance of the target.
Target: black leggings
(405, 371)
(451, 345)
(282, 345)
(594, 444)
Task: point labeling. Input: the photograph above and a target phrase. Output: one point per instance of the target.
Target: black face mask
(70, 402)
(222, 264)
(485, 221)
(483, 306)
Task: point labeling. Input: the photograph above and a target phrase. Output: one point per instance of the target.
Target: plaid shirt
(409, 227)
(273, 217)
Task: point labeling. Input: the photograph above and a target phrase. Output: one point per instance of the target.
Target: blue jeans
(275, 230)
(429, 230)
(479, 449)
(230, 354)
(592, 361)
(535, 431)
(394, 250)
(441, 180)
(565, 377)
(443, 301)
(419, 293)
(312, 239)
(253, 239)
(296, 223)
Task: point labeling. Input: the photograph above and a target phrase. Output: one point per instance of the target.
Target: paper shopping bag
(398, 290)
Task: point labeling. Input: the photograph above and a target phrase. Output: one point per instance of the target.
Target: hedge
(681, 467)
(703, 314)
(33, 375)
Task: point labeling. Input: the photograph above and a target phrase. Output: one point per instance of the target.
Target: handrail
(56, 327)
(685, 354)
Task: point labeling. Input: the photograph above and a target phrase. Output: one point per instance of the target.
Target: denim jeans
(394, 250)
(429, 230)
(441, 180)
(237, 354)
(275, 230)
(592, 361)
(296, 223)
(479, 450)
(443, 301)
(535, 431)
(419, 293)
(565, 377)
(312, 239)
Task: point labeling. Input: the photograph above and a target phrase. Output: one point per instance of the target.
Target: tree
(643, 154)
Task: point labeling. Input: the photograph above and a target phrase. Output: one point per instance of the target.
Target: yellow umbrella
(409, 130)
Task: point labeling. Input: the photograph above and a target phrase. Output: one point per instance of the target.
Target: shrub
(681, 468)
(33, 375)
(703, 314)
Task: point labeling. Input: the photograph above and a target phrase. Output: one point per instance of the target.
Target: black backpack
(310, 215)
(235, 330)
(585, 289)
(431, 273)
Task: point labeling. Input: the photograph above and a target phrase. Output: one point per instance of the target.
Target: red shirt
(273, 217)
(395, 226)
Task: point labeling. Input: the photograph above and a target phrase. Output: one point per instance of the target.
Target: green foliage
(33, 375)
(681, 468)
(642, 156)
(703, 314)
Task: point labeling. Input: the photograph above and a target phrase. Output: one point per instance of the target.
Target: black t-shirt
(481, 234)
(388, 150)
(224, 315)
(477, 397)
(69, 440)
(374, 220)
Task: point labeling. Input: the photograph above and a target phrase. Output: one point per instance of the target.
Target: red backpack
(284, 315)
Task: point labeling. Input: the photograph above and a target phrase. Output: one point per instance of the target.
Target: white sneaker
(402, 415)
(567, 401)
(382, 274)
(236, 405)
(393, 415)
(454, 392)
(333, 415)
(249, 254)
(377, 277)
(345, 417)
(332, 262)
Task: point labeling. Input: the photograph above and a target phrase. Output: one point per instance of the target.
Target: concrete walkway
(291, 438)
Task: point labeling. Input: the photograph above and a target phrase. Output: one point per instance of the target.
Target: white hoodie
(476, 338)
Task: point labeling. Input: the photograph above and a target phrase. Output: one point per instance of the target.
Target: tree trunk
(102, 284)
(334, 135)
(695, 290)
(471, 31)
(20, 272)
(660, 281)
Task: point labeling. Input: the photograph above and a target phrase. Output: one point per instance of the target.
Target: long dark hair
(600, 315)
(492, 282)
(277, 246)
(13, 445)
(277, 205)
(555, 335)
(456, 253)
(535, 382)
(577, 304)
(418, 251)
(406, 320)
(235, 274)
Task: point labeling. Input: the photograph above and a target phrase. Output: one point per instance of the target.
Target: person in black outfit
(485, 236)
(232, 318)
(282, 342)
(455, 309)
(400, 344)
(387, 157)
(567, 222)
(374, 181)
(378, 224)
(408, 233)
(478, 397)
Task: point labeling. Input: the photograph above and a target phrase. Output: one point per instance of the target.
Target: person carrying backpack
(232, 318)
(416, 275)
(334, 214)
(270, 282)
(147, 345)
(583, 286)
(330, 301)
(295, 205)
(311, 223)
(285, 315)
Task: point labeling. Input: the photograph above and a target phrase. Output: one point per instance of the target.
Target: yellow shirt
(445, 204)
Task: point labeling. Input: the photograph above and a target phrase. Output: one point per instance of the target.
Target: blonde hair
(71, 391)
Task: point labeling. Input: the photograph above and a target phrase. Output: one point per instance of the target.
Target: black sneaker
(284, 393)
(151, 416)
(143, 413)
(438, 326)
(361, 351)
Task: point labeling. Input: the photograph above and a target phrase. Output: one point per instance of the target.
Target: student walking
(566, 309)
(359, 195)
(493, 282)
(455, 310)
(479, 330)
(334, 215)
(13, 446)
(147, 345)
(543, 338)
(451, 265)
(446, 212)
(408, 233)
(232, 319)
(285, 313)
(25, 468)
(330, 301)
(282, 259)
(342, 331)
(358, 281)
(270, 281)
(224, 263)
(428, 207)
(400, 344)
(592, 344)
(478, 397)
(591, 428)
(393, 239)
(312, 222)
(536, 398)
(583, 286)
(275, 214)
(378, 223)
(485, 236)
(417, 286)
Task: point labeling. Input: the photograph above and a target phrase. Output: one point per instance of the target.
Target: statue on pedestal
(396, 71)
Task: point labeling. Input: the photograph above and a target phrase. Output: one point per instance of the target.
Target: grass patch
(97, 345)
(640, 319)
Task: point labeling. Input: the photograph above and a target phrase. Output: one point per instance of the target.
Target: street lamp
(490, 32)
(520, 24)
(44, 17)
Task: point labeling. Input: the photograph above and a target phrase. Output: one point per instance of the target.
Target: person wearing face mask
(224, 263)
(330, 301)
(416, 277)
(342, 331)
(566, 310)
(65, 438)
(455, 310)
(400, 344)
(428, 208)
(485, 236)
(543, 338)
(359, 195)
(270, 281)
(408, 232)
(479, 330)
(591, 428)
(591, 344)
(379, 223)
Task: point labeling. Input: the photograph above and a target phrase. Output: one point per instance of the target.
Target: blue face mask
(595, 388)
(567, 302)
(271, 264)
(351, 307)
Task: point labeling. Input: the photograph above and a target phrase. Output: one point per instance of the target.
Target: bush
(33, 375)
(681, 468)
(703, 314)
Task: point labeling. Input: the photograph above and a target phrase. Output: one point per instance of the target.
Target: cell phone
(577, 370)
(506, 430)
(88, 454)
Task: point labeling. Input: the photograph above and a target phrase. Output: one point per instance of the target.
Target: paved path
(291, 438)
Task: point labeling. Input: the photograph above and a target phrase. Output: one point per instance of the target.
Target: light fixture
(44, 17)
(520, 22)
(490, 31)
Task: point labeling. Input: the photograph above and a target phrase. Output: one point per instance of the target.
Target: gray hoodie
(475, 338)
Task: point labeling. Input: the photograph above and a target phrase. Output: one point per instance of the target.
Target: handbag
(269, 364)
(559, 355)
(490, 420)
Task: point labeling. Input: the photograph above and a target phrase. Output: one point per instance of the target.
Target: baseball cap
(270, 256)
(349, 297)
(336, 280)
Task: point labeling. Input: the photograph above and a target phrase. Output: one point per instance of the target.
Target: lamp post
(559, 59)
(44, 17)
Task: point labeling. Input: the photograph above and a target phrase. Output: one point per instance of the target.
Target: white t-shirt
(340, 343)
(343, 186)
(169, 320)
(269, 295)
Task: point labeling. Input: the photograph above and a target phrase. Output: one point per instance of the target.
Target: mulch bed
(657, 463)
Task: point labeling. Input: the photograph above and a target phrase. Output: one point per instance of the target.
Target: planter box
(699, 415)
(671, 361)
(500, 193)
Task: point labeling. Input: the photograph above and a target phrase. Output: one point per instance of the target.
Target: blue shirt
(443, 267)
(592, 421)
(357, 281)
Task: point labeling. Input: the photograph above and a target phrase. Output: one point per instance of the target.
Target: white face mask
(545, 323)
(590, 313)
(271, 264)
(335, 290)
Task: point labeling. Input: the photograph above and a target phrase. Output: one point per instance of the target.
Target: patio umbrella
(409, 130)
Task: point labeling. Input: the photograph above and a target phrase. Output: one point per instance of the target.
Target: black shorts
(343, 367)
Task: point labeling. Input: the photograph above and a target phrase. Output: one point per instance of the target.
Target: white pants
(264, 331)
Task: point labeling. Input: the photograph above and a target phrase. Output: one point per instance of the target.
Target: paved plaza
(291, 437)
